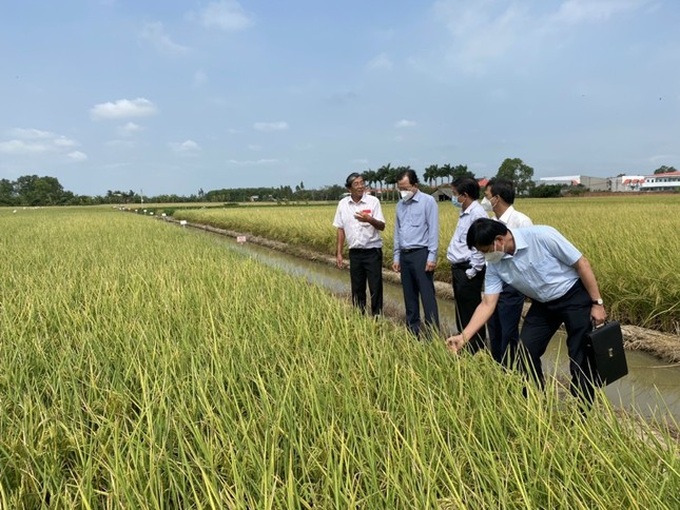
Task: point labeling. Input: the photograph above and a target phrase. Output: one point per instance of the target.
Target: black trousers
(365, 265)
(504, 325)
(417, 283)
(541, 323)
(468, 295)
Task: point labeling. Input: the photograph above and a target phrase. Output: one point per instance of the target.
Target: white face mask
(486, 204)
(406, 195)
(494, 256)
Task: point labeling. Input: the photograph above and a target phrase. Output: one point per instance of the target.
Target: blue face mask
(456, 203)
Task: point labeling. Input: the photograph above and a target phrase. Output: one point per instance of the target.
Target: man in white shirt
(359, 220)
(503, 327)
(467, 264)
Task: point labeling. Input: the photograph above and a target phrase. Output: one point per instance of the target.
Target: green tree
(34, 190)
(519, 173)
(7, 194)
(461, 171)
(663, 169)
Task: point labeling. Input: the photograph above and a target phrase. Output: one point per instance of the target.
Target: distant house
(444, 192)
(592, 183)
(623, 183)
(669, 181)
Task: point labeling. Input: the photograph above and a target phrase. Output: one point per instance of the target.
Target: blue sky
(172, 96)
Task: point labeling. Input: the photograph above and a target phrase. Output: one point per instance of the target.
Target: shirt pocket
(416, 218)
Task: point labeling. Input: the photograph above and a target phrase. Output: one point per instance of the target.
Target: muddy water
(651, 388)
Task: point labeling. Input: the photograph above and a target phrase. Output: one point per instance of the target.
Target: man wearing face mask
(416, 241)
(467, 264)
(503, 327)
(542, 264)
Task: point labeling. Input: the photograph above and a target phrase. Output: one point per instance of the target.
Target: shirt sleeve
(492, 281)
(337, 221)
(432, 230)
(560, 247)
(395, 244)
(377, 213)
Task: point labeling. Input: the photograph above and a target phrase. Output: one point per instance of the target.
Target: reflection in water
(651, 388)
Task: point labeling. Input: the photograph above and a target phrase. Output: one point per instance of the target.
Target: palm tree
(382, 172)
(445, 172)
(430, 174)
(369, 177)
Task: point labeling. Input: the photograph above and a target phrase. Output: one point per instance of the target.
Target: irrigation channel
(651, 388)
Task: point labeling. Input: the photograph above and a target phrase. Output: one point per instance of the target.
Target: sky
(169, 97)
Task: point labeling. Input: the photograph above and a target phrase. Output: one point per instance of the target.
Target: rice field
(147, 366)
(632, 243)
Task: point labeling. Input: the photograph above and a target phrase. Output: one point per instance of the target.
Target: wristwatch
(597, 301)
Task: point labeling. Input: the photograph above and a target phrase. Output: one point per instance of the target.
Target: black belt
(461, 265)
(364, 249)
(411, 250)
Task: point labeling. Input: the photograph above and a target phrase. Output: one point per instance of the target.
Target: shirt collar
(473, 205)
(520, 241)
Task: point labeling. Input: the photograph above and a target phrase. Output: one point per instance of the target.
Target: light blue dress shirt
(458, 250)
(541, 267)
(417, 226)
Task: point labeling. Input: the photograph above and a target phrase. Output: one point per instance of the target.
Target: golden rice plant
(631, 241)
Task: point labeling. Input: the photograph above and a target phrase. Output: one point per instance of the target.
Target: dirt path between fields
(664, 346)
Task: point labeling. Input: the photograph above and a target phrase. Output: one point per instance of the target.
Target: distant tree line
(32, 190)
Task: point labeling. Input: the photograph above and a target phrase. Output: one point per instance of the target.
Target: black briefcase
(605, 348)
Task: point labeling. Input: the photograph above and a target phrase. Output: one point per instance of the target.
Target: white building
(669, 181)
(592, 183)
(626, 183)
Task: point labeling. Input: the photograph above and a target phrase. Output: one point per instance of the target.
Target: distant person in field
(503, 327)
(467, 264)
(359, 220)
(542, 264)
(416, 241)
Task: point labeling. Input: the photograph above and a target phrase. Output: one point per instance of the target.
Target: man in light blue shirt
(416, 240)
(467, 264)
(542, 264)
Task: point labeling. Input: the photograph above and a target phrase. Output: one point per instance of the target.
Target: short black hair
(468, 186)
(351, 178)
(483, 231)
(504, 188)
(412, 176)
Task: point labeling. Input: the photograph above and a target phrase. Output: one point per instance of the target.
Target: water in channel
(651, 388)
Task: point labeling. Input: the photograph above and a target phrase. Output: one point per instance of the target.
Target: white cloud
(62, 141)
(123, 108)
(129, 129)
(250, 162)
(185, 147)
(35, 141)
(271, 126)
(225, 15)
(483, 31)
(155, 34)
(381, 61)
(19, 147)
(77, 156)
(404, 123)
(359, 161)
(579, 11)
(30, 134)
